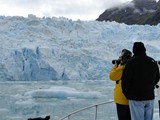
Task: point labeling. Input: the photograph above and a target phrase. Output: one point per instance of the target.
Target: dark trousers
(123, 112)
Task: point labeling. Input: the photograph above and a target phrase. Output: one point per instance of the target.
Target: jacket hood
(138, 48)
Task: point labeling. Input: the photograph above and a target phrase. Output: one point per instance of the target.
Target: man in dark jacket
(139, 78)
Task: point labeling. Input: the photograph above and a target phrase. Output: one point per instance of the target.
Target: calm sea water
(14, 105)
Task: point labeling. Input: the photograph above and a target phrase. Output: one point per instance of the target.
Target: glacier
(53, 66)
(35, 48)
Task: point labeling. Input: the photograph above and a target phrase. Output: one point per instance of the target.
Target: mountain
(139, 12)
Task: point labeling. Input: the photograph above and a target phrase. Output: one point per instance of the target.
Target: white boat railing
(85, 108)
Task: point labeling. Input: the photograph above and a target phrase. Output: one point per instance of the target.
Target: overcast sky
(72, 9)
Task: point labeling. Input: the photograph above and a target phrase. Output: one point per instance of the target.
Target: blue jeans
(141, 110)
(159, 107)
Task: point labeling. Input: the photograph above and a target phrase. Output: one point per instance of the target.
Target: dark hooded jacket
(140, 76)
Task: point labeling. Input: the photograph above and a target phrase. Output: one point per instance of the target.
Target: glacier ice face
(26, 64)
(61, 49)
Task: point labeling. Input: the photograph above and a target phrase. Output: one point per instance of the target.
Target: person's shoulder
(132, 59)
(130, 62)
(151, 59)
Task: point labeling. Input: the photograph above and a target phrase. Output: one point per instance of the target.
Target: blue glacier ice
(62, 49)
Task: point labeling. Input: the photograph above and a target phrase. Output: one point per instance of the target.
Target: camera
(123, 58)
(116, 61)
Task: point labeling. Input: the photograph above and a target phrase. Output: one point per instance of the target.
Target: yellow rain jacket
(115, 75)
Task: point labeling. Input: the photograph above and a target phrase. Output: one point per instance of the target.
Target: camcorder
(118, 61)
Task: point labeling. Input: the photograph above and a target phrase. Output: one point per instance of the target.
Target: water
(15, 105)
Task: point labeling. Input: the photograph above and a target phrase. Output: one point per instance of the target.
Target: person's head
(139, 48)
(125, 55)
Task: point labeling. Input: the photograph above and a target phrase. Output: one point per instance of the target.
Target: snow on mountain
(61, 49)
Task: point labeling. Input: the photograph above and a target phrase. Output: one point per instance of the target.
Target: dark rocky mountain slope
(139, 12)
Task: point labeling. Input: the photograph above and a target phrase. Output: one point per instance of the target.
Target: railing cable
(85, 108)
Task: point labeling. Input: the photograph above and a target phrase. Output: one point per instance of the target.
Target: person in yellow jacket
(122, 103)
